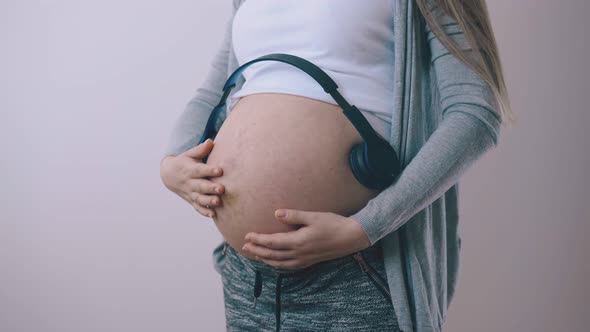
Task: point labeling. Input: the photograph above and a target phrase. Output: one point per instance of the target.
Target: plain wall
(91, 240)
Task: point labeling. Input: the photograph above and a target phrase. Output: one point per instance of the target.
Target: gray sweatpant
(349, 293)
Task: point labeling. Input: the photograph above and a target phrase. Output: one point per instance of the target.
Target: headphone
(374, 162)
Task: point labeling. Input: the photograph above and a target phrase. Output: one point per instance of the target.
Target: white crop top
(351, 40)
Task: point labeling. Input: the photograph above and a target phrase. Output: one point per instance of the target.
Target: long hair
(473, 19)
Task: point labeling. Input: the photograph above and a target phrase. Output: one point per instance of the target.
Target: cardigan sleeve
(190, 124)
(469, 127)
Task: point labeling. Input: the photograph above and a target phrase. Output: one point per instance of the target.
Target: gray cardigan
(445, 118)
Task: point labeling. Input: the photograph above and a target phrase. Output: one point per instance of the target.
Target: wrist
(361, 240)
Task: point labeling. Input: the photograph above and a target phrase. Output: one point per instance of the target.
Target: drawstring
(258, 290)
(257, 286)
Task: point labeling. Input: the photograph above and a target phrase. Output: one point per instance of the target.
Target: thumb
(294, 217)
(201, 150)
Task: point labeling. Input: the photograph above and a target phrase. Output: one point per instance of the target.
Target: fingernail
(218, 190)
(281, 213)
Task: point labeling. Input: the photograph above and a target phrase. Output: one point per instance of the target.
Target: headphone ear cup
(384, 160)
(358, 165)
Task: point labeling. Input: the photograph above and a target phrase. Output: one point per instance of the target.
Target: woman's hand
(186, 174)
(322, 236)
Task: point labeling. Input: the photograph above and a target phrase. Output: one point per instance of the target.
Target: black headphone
(374, 162)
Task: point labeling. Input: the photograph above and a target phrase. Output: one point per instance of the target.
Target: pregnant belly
(283, 151)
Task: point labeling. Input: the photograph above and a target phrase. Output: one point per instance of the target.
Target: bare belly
(283, 151)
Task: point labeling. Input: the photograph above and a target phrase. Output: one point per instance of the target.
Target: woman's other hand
(186, 175)
(322, 236)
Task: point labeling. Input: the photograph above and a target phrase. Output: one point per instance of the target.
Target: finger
(210, 170)
(201, 170)
(204, 186)
(203, 210)
(285, 240)
(294, 217)
(273, 254)
(211, 200)
(200, 151)
(208, 200)
(291, 264)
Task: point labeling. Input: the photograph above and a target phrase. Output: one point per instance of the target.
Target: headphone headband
(352, 112)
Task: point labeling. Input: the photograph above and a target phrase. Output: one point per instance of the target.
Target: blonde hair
(473, 19)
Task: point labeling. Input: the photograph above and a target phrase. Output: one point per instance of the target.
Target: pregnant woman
(427, 77)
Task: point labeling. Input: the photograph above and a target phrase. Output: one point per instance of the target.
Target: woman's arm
(190, 124)
(470, 127)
